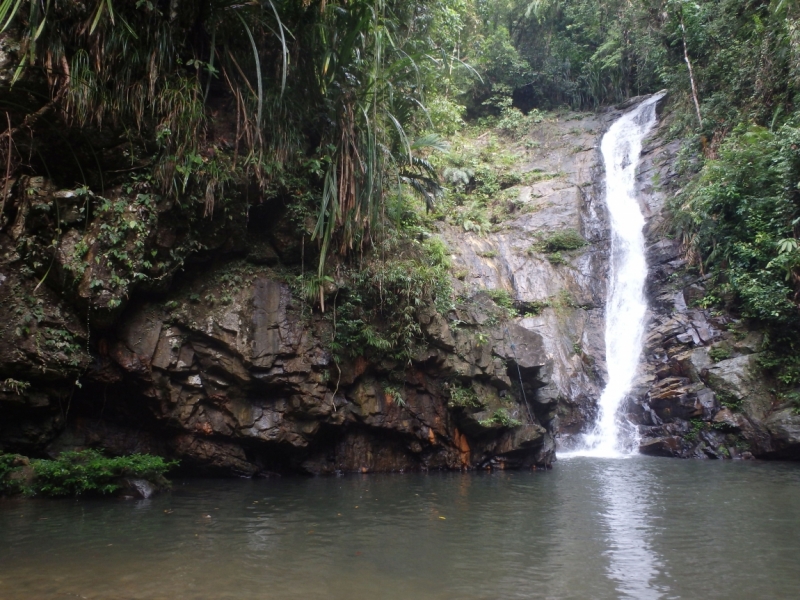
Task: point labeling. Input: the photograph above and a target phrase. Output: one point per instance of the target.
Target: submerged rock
(138, 488)
(662, 446)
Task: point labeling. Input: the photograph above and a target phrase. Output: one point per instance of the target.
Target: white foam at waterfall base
(612, 435)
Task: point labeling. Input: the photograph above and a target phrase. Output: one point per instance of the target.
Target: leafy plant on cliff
(554, 244)
(718, 353)
(735, 219)
(794, 400)
(463, 397)
(481, 175)
(501, 417)
(15, 386)
(696, 426)
(505, 301)
(568, 239)
(377, 312)
(394, 393)
(728, 400)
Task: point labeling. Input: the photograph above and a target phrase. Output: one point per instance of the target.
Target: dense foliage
(80, 472)
(743, 55)
(741, 217)
(377, 312)
(8, 466)
(327, 103)
(215, 95)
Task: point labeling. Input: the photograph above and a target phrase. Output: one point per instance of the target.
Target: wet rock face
(560, 294)
(676, 399)
(784, 427)
(567, 292)
(42, 356)
(248, 387)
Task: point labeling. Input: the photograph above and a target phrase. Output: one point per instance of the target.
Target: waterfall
(626, 306)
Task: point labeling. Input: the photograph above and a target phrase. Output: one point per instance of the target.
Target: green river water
(590, 528)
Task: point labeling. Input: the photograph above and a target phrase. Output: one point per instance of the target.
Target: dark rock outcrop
(250, 387)
(247, 386)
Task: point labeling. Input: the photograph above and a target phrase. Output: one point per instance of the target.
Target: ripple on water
(590, 528)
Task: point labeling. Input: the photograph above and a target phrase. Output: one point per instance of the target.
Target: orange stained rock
(360, 367)
(205, 428)
(463, 447)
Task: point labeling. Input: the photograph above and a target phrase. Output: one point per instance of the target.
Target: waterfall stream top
(626, 306)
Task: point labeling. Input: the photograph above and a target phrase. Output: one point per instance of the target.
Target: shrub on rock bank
(79, 472)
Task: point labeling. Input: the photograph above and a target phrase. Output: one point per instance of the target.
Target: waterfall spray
(626, 305)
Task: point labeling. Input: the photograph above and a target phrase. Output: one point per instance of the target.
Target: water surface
(590, 528)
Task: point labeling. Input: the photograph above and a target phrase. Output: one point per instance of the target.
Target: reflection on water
(590, 528)
(627, 502)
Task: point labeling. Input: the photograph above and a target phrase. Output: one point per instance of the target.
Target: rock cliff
(230, 370)
(216, 359)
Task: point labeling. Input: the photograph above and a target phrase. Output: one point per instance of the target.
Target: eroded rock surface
(246, 386)
(560, 297)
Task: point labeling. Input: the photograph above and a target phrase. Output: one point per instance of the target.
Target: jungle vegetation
(334, 109)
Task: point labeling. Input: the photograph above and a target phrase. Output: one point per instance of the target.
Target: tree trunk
(691, 72)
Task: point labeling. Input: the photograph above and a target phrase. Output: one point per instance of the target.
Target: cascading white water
(626, 305)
